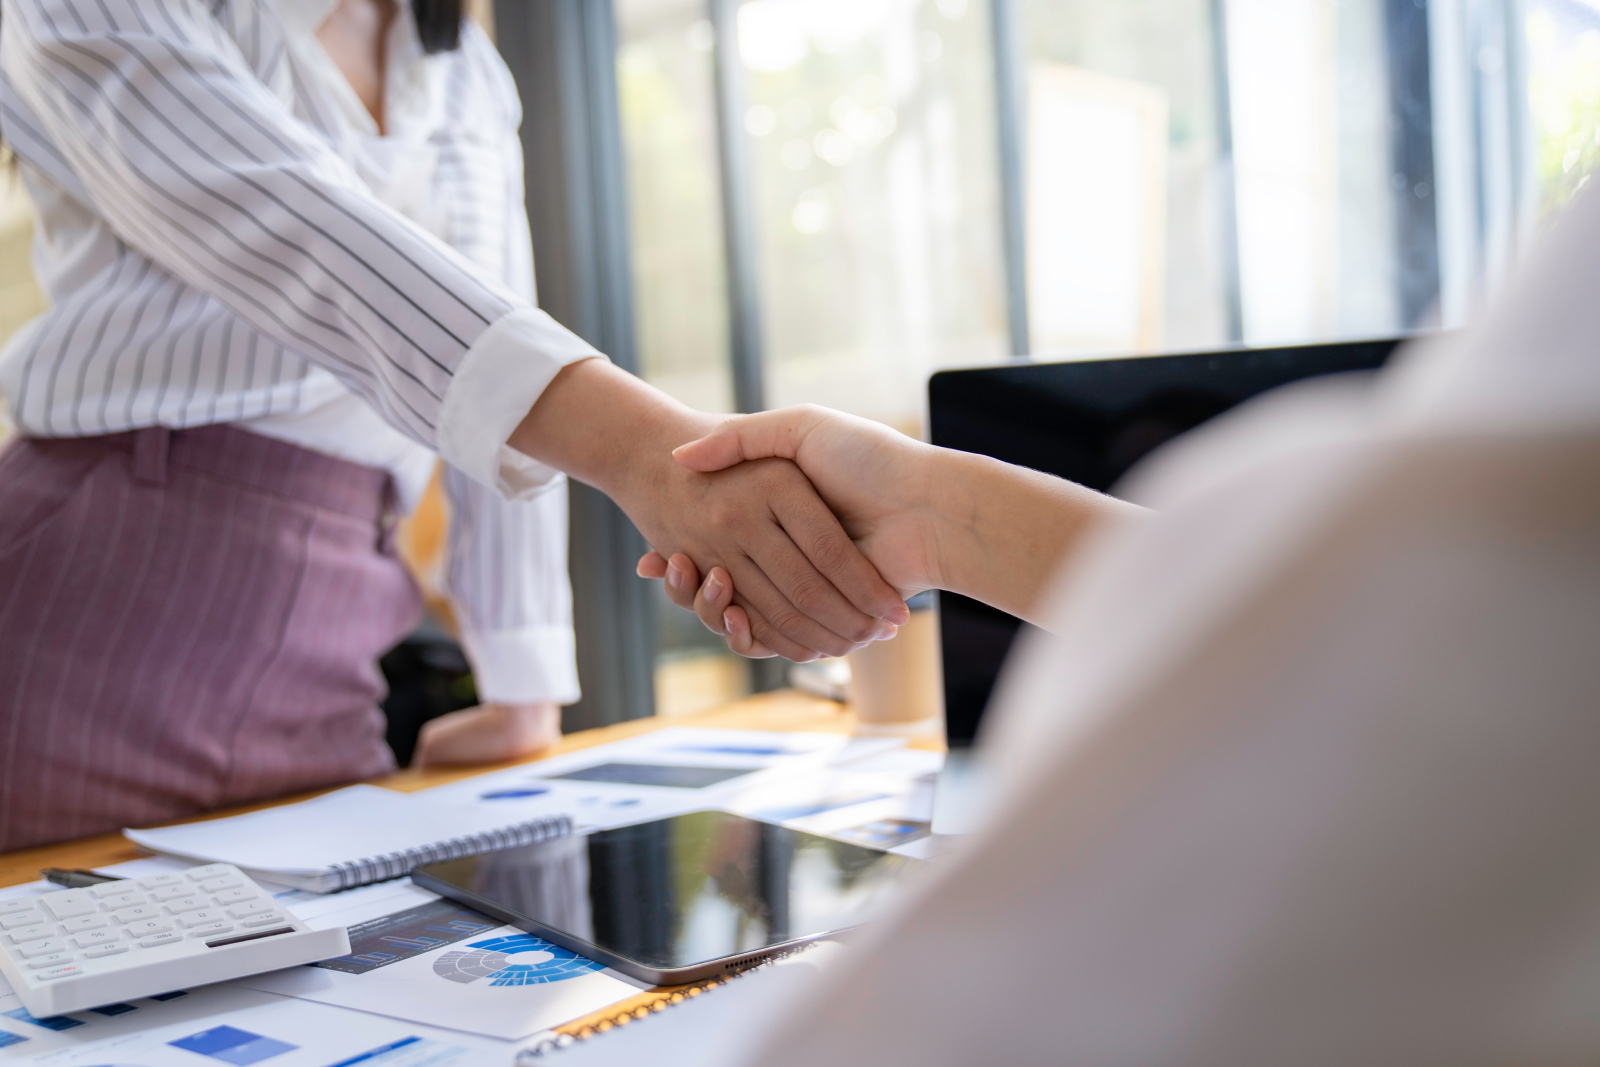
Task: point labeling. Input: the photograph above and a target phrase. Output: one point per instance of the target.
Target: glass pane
(1564, 97)
(669, 133)
(872, 141)
(1127, 242)
(1312, 140)
(665, 83)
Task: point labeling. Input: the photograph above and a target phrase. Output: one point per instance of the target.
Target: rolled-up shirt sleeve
(507, 575)
(198, 165)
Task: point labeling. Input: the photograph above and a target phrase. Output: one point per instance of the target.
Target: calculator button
(54, 959)
(254, 907)
(171, 892)
(183, 904)
(69, 904)
(97, 937)
(200, 918)
(110, 948)
(210, 871)
(31, 933)
(138, 911)
(141, 927)
(262, 920)
(229, 896)
(64, 971)
(211, 929)
(86, 922)
(155, 881)
(166, 937)
(110, 889)
(217, 885)
(123, 900)
(21, 918)
(34, 949)
(9, 906)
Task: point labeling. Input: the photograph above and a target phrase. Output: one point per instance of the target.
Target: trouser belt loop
(150, 447)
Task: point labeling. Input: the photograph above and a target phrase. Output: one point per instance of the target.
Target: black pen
(76, 879)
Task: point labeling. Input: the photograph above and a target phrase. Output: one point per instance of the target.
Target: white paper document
(221, 1026)
(655, 775)
(713, 1029)
(414, 955)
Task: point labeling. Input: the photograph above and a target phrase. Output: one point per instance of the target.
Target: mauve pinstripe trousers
(188, 619)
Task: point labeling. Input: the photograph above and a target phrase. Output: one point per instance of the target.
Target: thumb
(744, 437)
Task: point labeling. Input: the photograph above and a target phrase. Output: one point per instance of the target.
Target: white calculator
(138, 937)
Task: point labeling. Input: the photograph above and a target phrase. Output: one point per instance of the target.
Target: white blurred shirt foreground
(1309, 771)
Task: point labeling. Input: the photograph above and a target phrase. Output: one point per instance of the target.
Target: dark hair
(438, 24)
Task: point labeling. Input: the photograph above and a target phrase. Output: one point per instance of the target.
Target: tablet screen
(681, 891)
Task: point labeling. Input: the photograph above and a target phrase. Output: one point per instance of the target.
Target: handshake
(800, 532)
(839, 519)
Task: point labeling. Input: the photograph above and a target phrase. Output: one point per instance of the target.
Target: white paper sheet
(503, 983)
(711, 1030)
(223, 1026)
(535, 789)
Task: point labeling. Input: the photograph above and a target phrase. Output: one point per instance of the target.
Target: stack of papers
(430, 984)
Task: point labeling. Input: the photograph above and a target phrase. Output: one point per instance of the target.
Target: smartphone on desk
(679, 899)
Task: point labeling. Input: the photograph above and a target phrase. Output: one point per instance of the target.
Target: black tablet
(678, 899)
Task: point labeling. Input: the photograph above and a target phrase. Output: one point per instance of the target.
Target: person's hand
(489, 733)
(804, 588)
(873, 478)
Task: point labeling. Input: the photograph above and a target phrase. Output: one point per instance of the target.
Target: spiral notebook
(346, 838)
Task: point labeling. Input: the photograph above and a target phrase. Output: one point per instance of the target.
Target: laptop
(1088, 421)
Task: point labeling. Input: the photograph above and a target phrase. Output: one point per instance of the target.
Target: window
(1173, 174)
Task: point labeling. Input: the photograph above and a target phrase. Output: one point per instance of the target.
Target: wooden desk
(783, 710)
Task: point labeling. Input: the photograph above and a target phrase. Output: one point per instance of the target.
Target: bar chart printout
(408, 933)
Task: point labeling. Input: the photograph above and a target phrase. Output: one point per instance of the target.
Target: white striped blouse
(224, 237)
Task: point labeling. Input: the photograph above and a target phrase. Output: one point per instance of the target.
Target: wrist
(526, 726)
(952, 506)
(607, 428)
(647, 463)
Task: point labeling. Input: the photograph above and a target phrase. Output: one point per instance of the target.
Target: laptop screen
(1088, 421)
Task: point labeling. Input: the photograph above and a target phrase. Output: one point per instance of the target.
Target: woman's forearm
(1002, 531)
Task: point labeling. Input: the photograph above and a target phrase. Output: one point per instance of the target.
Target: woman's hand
(489, 733)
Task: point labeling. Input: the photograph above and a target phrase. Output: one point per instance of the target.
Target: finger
(681, 581)
(651, 565)
(777, 621)
(759, 436)
(739, 638)
(817, 533)
(713, 598)
(806, 593)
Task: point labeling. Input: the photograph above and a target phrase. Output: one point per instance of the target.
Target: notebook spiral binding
(533, 1054)
(395, 864)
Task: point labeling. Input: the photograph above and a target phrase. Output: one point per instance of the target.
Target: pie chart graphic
(520, 959)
